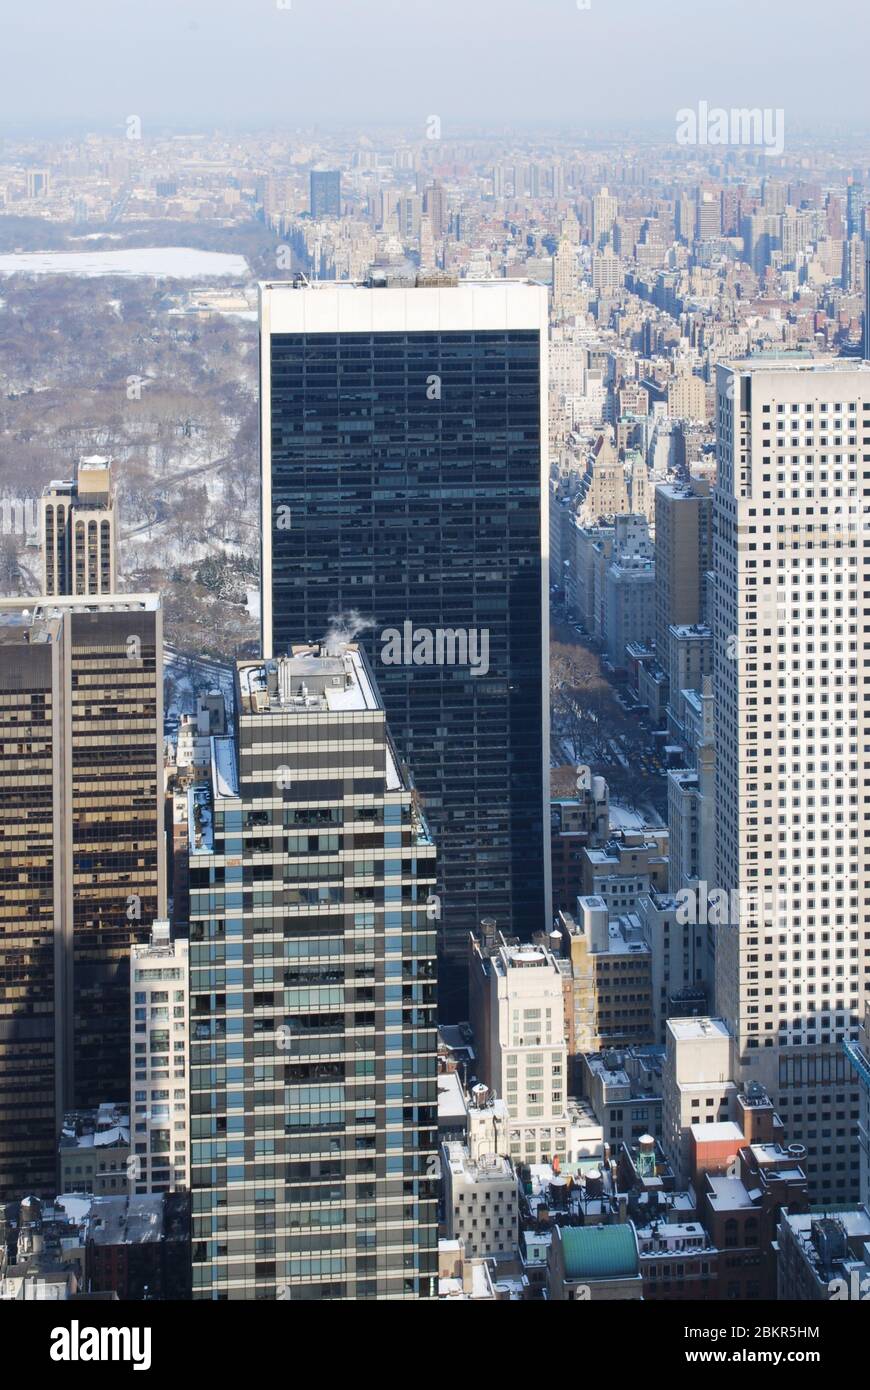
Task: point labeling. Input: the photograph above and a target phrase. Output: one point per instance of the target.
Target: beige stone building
(683, 541)
(611, 976)
(80, 532)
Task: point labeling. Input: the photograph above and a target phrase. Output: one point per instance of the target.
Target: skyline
(434, 663)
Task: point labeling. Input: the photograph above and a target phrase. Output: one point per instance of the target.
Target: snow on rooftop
(225, 780)
(626, 818)
(75, 1205)
(719, 1131)
(451, 1097)
(727, 1193)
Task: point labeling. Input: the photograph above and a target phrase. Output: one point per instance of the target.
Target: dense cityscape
(435, 698)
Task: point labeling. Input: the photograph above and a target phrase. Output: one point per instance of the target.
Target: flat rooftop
(451, 1099)
(126, 1220)
(719, 1132)
(302, 284)
(40, 607)
(786, 363)
(19, 629)
(334, 306)
(311, 680)
(494, 1168)
(331, 677)
(680, 492)
(697, 1029)
(728, 1194)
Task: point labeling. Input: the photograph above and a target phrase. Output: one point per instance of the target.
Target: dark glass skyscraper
(325, 193)
(404, 487)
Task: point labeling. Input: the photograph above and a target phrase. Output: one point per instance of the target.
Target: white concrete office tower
(607, 274)
(792, 680)
(80, 532)
(159, 1064)
(518, 1016)
(604, 210)
(697, 1088)
(481, 1202)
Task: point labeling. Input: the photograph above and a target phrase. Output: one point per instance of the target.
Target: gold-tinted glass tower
(82, 862)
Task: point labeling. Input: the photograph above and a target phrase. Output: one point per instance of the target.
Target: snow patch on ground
(175, 262)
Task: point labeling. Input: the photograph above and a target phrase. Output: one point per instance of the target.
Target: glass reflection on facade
(405, 477)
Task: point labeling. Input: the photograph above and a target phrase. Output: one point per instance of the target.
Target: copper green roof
(600, 1252)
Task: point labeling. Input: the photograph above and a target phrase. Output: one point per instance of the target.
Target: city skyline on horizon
(434, 661)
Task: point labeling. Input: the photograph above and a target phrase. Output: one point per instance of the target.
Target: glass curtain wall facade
(30, 1107)
(313, 1034)
(403, 491)
(82, 858)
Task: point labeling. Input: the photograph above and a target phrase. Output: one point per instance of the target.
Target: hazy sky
(200, 63)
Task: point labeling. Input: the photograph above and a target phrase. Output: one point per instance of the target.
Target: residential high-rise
(867, 302)
(565, 281)
(792, 740)
(159, 1073)
(325, 200)
(607, 274)
(80, 532)
(683, 551)
(38, 183)
(708, 214)
(81, 858)
(855, 210)
(629, 589)
(435, 208)
(404, 486)
(517, 1001)
(687, 397)
(604, 210)
(313, 1038)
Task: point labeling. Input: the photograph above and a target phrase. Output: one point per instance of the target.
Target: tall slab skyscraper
(404, 483)
(82, 858)
(313, 1046)
(792, 685)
